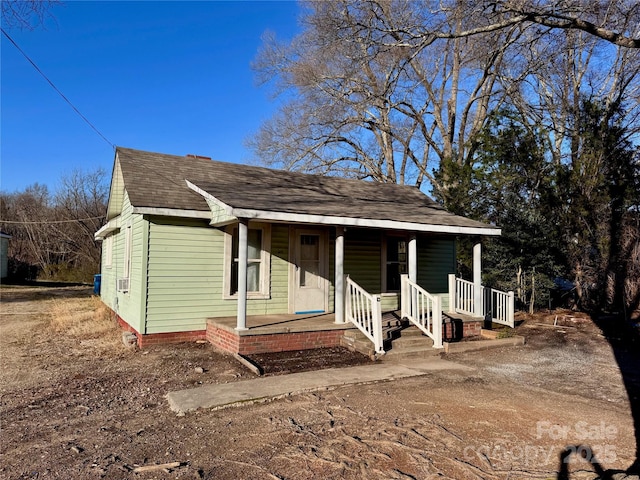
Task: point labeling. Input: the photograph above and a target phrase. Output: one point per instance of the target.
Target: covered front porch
(458, 312)
(292, 332)
(352, 251)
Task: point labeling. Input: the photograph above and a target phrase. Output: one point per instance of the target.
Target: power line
(57, 90)
(15, 222)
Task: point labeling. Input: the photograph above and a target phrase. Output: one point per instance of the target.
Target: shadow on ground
(624, 339)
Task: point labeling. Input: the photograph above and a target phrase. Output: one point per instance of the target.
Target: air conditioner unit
(123, 285)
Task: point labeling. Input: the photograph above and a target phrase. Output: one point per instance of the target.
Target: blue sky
(171, 77)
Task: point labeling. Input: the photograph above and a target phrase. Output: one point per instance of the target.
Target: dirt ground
(82, 406)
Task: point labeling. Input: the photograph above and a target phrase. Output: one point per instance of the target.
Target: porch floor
(280, 323)
(276, 333)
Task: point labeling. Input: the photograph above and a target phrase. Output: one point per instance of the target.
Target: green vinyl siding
(177, 271)
(389, 302)
(128, 305)
(185, 259)
(186, 276)
(436, 260)
(279, 301)
(108, 274)
(362, 253)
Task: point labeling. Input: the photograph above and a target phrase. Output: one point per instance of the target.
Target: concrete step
(412, 331)
(398, 355)
(399, 344)
(411, 342)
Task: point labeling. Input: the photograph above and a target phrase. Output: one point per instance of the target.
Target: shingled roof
(184, 183)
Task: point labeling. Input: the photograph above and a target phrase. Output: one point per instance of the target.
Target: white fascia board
(171, 212)
(342, 221)
(361, 222)
(5, 235)
(227, 209)
(111, 226)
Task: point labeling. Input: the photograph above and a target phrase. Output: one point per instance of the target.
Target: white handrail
(499, 306)
(463, 297)
(494, 303)
(422, 309)
(363, 310)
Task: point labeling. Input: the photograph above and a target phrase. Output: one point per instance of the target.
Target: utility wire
(56, 89)
(15, 222)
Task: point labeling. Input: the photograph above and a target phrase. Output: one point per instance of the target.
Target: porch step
(356, 341)
(400, 342)
(412, 343)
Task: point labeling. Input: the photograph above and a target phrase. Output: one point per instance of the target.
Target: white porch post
(413, 259)
(477, 279)
(338, 295)
(243, 229)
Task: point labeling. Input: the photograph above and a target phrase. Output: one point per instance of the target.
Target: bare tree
(80, 205)
(391, 90)
(371, 99)
(27, 216)
(26, 14)
(615, 21)
(54, 233)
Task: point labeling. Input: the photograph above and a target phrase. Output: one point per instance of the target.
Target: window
(127, 252)
(309, 261)
(395, 262)
(124, 281)
(258, 245)
(107, 245)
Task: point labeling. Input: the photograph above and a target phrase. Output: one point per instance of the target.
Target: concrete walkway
(267, 388)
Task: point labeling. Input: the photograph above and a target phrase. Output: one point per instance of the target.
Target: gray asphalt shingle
(159, 180)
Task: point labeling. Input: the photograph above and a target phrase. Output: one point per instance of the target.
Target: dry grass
(86, 320)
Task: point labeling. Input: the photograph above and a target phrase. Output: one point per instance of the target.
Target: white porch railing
(422, 309)
(498, 305)
(461, 296)
(363, 310)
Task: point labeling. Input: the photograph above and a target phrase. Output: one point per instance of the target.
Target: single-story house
(4, 254)
(255, 259)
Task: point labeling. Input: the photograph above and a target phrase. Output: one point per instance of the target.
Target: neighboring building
(189, 239)
(4, 254)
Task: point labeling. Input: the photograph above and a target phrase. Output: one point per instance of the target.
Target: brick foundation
(275, 342)
(242, 344)
(144, 340)
(457, 329)
(471, 329)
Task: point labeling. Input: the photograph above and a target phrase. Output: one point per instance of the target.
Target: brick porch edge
(272, 342)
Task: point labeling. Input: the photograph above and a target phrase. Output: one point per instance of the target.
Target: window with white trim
(107, 245)
(395, 262)
(125, 281)
(258, 261)
(127, 252)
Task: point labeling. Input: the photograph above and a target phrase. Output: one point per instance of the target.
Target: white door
(310, 286)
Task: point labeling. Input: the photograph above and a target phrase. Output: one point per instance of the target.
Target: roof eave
(108, 228)
(172, 212)
(362, 222)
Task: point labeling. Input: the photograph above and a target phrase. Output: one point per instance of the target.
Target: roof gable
(116, 191)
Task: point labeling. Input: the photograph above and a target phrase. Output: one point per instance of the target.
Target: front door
(310, 285)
